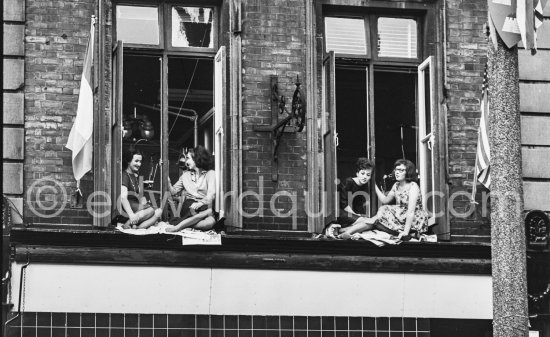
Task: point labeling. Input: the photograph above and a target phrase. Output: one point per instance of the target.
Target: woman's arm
(414, 193)
(210, 190)
(177, 187)
(385, 199)
(126, 205)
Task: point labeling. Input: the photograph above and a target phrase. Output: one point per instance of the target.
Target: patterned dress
(394, 216)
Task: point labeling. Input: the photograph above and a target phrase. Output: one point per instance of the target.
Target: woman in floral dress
(407, 213)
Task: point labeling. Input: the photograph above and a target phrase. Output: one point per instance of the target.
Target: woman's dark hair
(363, 164)
(202, 157)
(128, 155)
(410, 169)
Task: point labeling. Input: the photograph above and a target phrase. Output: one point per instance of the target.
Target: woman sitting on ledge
(407, 214)
(199, 189)
(140, 214)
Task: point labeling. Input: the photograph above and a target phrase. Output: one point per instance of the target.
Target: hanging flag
(80, 138)
(482, 165)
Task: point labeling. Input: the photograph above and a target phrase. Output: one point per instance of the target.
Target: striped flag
(80, 139)
(539, 16)
(482, 166)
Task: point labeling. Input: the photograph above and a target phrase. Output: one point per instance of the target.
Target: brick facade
(55, 43)
(466, 56)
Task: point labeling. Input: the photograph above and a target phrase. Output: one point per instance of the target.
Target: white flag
(80, 139)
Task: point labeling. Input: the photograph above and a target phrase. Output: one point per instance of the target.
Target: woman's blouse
(200, 187)
(132, 184)
(353, 195)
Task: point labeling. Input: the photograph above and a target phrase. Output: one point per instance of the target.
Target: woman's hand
(196, 205)
(403, 234)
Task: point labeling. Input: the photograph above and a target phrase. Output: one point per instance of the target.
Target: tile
(382, 333)
(341, 323)
(423, 324)
(245, 333)
(102, 332)
(216, 322)
(327, 323)
(186, 333)
(423, 334)
(245, 322)
(396, 333)
(60, 332)
(286, 333)
(189, 321)
(149, 333)
(146, 321)
(382, 323)
(231, 322)
(203, 322)
(216, 333)
(272, 333)
(131, 321)
(300, 333)
(44, 319)
(130, 332)
(87, 332)
(342, 333)
(369, 334)
(325, 333)
(231, 333)
(368, 323)
(75, 332)
(117, 332)
(176, 321)
(314, 333)
(159, 332)
(409, 334)
(13, 331)
(29, 332)
(258, 333)
(356, 333)
(258, 322)
(117, 321)
(102, 320)
(160, 321)
(409, 324)
(287, 323)
(300, 323)
(314, 323)
(73, 320)
(44, 332)
(59, 319)
(88, 320)
(272, 322)
(203, 333)
(396, 324)
(355, 323)
(172, 333)
(29, 318)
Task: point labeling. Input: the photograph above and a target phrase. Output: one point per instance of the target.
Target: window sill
(255, 250)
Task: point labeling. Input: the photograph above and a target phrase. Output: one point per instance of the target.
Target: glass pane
(345, 36)
(397, 38)
(192, 27)
(139, 25)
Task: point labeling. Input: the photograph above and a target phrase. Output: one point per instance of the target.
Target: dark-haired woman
(139, 213)
(198, 187)
(407, 213)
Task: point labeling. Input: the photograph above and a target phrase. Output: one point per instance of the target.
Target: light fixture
(137, 127)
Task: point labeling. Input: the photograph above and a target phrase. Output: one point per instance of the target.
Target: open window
(163, 90)
(381, 103)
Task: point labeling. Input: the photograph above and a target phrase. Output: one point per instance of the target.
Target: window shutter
(345, 36)
(219, 118)
(397, 38)
(116, 125)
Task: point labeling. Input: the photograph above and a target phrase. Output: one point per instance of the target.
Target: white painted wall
(141, 289)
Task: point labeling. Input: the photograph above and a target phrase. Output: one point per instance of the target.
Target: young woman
(139, 213)
(198, 184)
(407, 214)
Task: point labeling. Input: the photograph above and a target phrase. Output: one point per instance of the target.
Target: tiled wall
(133, 325)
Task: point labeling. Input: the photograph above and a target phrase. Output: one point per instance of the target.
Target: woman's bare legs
(193, 220)
(361, 225)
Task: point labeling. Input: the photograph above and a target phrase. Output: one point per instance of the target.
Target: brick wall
(55, 43)
(465, 59)
(273, 43)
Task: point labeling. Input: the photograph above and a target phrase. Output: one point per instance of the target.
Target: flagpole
(510, 310)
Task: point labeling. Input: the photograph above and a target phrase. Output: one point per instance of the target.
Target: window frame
(168, 28)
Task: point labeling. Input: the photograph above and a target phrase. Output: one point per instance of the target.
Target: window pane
(397, 38)
(192, 27)
(345, 36)
(139, 25)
